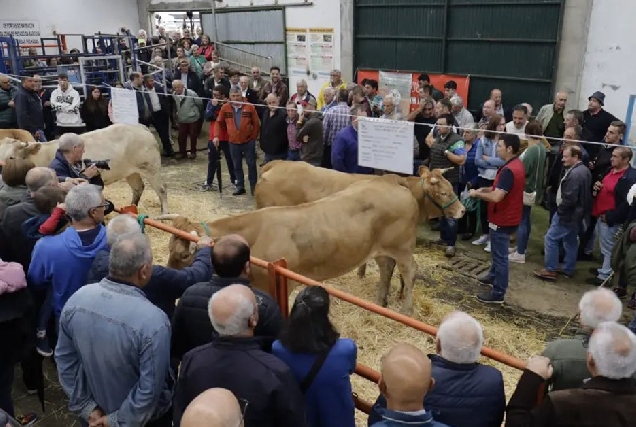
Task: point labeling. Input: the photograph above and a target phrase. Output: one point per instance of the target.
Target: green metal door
(510, 45)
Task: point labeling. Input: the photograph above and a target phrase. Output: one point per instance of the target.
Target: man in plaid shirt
(335, 119)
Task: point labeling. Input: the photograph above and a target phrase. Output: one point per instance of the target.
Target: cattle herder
(447, 152)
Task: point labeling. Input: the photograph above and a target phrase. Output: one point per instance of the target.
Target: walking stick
(219, 173)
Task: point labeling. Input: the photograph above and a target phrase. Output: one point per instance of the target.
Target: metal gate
(507, 44)
(249, 37)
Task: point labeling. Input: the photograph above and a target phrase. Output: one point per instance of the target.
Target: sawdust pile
(374, 334)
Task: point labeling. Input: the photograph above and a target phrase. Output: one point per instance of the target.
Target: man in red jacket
(505, 204)
(241, 122)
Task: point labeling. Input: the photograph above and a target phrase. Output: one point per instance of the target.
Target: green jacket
(569, 360)
(624, 257)
(7, 114)
(533, 159)
(188, 107)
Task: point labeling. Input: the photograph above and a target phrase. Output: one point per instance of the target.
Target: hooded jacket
(66, 104)
(63, 262)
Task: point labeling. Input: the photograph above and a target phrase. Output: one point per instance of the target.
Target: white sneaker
(512, 250)
(482, 240)
(517, 257)
(487, 248)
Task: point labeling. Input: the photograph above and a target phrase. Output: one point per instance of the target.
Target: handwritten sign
(386, 144)
(124, 106)
(24, 31)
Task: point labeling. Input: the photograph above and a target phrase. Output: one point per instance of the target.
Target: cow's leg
(362, 270)
(406, 267)
(137, 186)
(157, 184)
(386, 265)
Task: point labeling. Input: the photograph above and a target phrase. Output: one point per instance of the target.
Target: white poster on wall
(26, 32)
(386, 145)
(124, 106)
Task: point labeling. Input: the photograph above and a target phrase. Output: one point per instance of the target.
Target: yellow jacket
(321, 94)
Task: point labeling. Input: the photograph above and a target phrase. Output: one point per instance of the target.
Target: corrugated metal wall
(507, 44)
(257, 33)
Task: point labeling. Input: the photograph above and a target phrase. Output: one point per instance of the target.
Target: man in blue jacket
(63, 260)
(344, 150)
(466, 393)
(28, 109)
(166, 284)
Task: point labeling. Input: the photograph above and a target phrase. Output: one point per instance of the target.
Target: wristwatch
(446, 152)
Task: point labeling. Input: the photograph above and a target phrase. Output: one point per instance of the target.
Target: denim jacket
(487, 168)
(113, 352)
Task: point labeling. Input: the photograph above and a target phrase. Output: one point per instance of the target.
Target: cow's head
(181, 251)
(440, 194)
(12, 148)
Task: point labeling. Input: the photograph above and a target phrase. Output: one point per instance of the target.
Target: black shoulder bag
(315, 368)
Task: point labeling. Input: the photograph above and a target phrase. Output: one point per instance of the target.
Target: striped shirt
(335, 119)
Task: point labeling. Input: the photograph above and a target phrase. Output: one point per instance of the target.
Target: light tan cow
(17, 134)
(375, 219)
(287, 183)
(131, 149)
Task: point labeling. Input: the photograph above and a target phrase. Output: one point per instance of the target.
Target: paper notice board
(386, 145)
(124, 106)
(310, 49)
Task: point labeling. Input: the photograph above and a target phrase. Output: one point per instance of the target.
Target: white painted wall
(610, 62)
(320, 14)
(74, 16)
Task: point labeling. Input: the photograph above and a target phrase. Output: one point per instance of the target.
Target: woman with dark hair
(95, 110)
(320, 360)
(488, 162)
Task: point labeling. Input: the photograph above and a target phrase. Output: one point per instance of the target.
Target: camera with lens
(99, 164)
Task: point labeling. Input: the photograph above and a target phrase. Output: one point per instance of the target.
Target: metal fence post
(282, 292)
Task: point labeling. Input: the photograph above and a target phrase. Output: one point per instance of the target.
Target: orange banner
(437, 80)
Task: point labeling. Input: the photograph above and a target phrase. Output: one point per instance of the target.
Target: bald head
(215, 407)
(39, 177)
(231, 257)
(233, 311)
(406, 378)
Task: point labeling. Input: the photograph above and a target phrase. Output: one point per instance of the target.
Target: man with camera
(68, 165)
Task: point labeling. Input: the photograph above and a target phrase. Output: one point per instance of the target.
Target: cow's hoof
(407, 311)
(382, 303)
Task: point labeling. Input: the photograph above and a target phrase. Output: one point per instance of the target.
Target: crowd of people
(201, 347)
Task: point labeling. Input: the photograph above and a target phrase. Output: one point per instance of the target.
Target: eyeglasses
(103, 205)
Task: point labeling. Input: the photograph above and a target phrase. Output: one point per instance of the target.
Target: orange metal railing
(278, 287)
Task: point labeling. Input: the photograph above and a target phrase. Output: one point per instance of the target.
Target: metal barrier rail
(278, 276)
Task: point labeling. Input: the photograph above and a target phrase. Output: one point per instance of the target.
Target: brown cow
(329, 237)
(17, 134)
(284, 183)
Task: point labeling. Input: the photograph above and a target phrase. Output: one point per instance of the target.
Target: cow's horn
(434, 180)
(166, 217)
(443, 171)
(24, 144)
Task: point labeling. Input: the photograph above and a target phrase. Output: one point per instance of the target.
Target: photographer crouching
(68, 165)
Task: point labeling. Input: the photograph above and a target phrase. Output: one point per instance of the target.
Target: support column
(576, 20)
(346, 39)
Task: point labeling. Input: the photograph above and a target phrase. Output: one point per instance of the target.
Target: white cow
(132, 150)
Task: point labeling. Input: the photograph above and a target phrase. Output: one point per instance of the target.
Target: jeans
(483, 205)
(271, 157)
(6, 384)
(46, 311)
(588, 236)
(294, 155)
(237, 151)
(213, 160)
(523, 232)
(448, 226)
(499, 243)
(606, 242)
(561, 233)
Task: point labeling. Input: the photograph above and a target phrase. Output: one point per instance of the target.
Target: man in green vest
(448, 152)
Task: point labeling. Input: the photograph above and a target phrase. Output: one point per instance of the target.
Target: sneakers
(485, 279)
(517, 258)
(449, 252)
(239, 192)
(27, 419)
(487, 247)
(490, 298)
(42, 344)
(481, 241)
